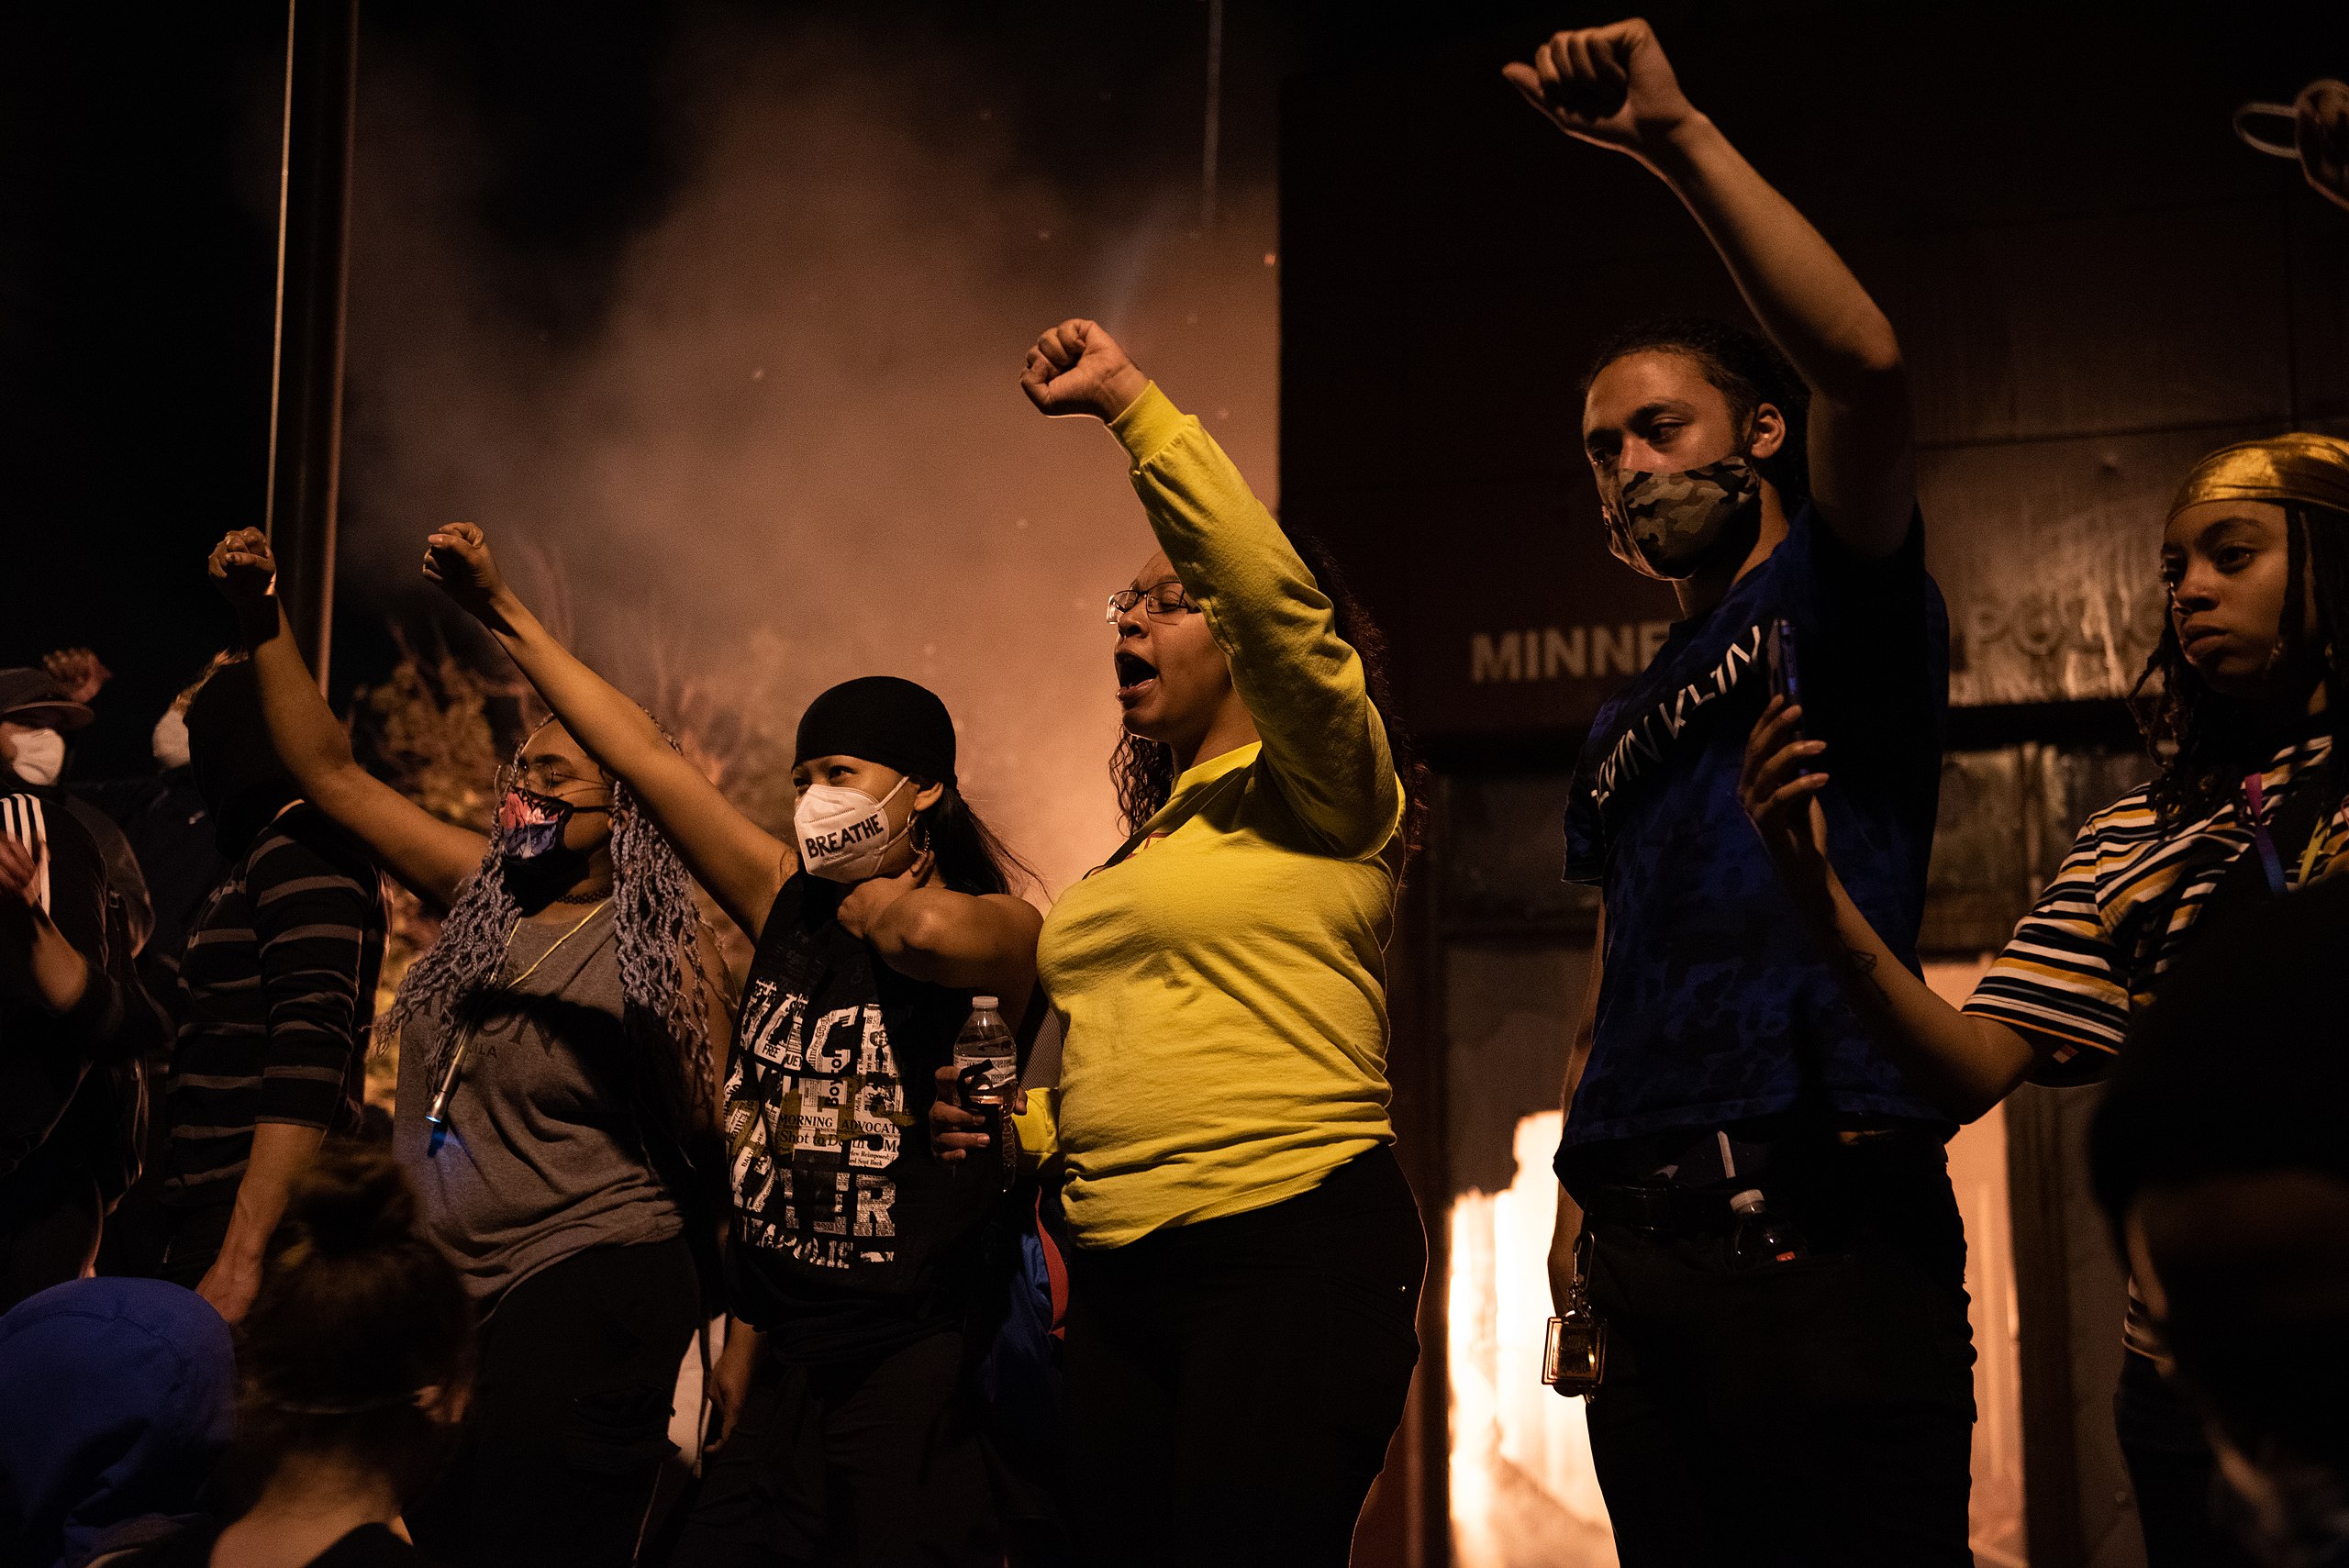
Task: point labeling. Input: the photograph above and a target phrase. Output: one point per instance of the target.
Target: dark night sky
(137, 168)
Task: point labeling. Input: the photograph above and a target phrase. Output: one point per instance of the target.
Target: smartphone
(1785, 673)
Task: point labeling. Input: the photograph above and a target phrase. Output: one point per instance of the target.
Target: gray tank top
(542, 1152)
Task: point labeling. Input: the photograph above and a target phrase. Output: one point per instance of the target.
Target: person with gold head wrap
(2247, 805)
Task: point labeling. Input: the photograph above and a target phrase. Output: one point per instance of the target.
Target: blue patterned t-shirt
(1714, 1007)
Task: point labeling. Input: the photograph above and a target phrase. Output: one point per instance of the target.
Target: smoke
(792, 450)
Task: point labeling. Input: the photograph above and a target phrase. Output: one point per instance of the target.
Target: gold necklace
(558, 941)
(436, 1116)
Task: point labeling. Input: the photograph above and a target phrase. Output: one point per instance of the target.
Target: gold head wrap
(2300, 466)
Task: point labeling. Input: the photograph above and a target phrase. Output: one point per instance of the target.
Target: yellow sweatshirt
(1225, 984)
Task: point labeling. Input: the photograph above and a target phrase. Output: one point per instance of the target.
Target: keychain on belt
(1573, 1360)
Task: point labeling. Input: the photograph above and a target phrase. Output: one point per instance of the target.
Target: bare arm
(430, 857)
(741, 863)
(1569, 1226)
(281, 1153)
(1963, 1063)
(1613, 86)
(984, 941)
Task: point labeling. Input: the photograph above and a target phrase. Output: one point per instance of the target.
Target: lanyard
(2254, 802)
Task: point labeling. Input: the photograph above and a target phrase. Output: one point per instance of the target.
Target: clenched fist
(244, 571)
(78, 673)
(1078, 368)
(2320, 131)
(457, 558)
(1610, 86)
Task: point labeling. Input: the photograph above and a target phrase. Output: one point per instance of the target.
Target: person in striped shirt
(278, 991)
(2246, 804)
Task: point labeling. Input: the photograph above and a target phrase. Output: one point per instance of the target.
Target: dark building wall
(2093, 281)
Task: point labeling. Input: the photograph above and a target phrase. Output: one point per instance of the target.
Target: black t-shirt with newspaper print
(850, 1237)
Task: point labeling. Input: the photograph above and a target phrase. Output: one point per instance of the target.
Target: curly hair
(1144, 772)
(2202, 741)
(658, 925)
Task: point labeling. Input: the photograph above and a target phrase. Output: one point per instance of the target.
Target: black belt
(1781, 1168)
(1664, 1210)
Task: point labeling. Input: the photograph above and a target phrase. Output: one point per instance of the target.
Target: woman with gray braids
(556, 1110)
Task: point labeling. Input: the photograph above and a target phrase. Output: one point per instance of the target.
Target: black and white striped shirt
(279, 980)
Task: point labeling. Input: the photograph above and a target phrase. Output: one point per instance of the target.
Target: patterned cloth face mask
(530, 825)
(1669, 526)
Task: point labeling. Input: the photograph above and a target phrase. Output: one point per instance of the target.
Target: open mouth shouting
(1137, 677)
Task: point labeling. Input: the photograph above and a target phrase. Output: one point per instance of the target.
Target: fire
(1523, 1491)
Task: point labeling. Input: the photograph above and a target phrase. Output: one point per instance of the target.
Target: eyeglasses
(542, 776)
(1160, 601)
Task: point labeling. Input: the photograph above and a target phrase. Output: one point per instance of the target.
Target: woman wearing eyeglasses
(556, 1110)
(1245, 1287)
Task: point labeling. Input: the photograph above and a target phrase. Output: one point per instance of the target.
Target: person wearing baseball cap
(35, 717)
(72, 1014)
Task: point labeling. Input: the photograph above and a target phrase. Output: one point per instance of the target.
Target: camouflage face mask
(1669, 526)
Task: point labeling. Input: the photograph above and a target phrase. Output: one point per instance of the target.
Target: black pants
(865, 1464)
(49, 1221)
(570, 1415)
(1809, 1413)
(1232, 1383)
(2173, 1471)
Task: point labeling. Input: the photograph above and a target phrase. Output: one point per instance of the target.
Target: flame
(1523, 1489)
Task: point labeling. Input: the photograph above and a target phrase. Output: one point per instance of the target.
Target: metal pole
(1214, 116)
(313, 278)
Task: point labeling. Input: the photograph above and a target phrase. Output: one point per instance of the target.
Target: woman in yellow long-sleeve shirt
(1246, 1282)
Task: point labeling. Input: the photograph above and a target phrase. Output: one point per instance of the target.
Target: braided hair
(2202, 741)
(658, 925)
(1143, 772)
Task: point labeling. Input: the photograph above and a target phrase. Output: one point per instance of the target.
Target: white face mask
(844, 833)
(171, 739)
(40, 755)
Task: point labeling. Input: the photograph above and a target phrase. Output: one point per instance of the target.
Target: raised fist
(1610, 86)
(457, 558)
(244, 570)
(2320, 130)
(78, 673)
(1078, 368)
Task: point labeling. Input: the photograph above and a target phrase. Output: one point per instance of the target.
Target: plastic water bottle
(1763, 1238)
(987, 1070)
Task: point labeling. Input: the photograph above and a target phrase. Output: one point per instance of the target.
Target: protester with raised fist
(1245, 1287)
(843, 1430)
(1772, 484)
(554, 1109)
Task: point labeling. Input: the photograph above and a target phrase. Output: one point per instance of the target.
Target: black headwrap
(880, 719)
(236, 770)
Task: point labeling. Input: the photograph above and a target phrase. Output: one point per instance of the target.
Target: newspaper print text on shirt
(816, 1111)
